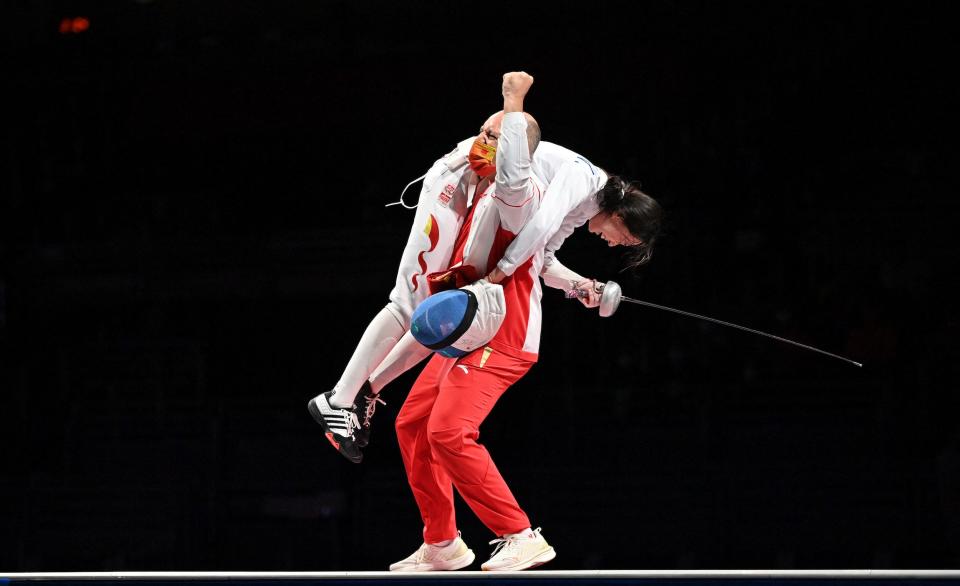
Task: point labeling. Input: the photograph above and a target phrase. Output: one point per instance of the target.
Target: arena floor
(620, 577)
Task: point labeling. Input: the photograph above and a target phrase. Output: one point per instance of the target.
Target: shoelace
(421, 554)
(505, 544)
(425, 549)
(508, 543)
(371, 407)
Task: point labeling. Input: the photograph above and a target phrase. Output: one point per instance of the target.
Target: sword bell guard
(609, 298)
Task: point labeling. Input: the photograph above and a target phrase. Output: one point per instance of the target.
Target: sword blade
(728, 324)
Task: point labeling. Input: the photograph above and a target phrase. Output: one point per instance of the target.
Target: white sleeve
(517, 195)
(574, 183)
(556, 240)
(560, 277)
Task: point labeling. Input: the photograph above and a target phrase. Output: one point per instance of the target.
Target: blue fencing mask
(458, 321)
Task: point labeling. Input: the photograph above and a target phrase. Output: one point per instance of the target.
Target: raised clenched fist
(516, 84)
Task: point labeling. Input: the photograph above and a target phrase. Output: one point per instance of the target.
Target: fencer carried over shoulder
(447, 194)
(568, 201)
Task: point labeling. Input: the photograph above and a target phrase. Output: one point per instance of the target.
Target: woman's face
(611, 228)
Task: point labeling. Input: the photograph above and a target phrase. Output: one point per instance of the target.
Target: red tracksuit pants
(437, 429)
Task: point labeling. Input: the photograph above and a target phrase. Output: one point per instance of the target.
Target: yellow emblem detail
(486, 354)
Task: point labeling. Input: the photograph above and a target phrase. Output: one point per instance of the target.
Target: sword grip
(609, 296)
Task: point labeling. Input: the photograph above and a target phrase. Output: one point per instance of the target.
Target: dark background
(194, 237)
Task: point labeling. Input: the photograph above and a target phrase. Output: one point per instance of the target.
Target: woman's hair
(641, 215)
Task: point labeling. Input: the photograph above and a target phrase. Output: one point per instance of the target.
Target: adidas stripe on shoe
(339, 425)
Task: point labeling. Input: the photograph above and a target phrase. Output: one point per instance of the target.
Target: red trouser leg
(432, 488)
(455, 397)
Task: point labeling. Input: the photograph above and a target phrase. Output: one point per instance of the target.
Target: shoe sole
(537, 560)
(331, 437)
(361, 440)
(449, 566)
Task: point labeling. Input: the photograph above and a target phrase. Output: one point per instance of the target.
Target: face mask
(483, 159)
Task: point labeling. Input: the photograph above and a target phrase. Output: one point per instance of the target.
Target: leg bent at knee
(456, 450)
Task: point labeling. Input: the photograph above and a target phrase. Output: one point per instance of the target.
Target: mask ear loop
(401, 202)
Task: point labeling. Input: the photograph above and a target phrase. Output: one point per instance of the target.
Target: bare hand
(587, 293)
(496, 275)
(516, 84)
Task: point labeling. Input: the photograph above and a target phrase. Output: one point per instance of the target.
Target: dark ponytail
(641, 215)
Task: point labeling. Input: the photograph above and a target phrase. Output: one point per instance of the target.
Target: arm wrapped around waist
(452, 278)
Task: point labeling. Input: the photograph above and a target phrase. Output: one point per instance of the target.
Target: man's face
(611, 228)
(483, 153)
(490, 131)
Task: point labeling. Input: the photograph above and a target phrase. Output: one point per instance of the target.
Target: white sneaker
(432, 558)
(519, 552)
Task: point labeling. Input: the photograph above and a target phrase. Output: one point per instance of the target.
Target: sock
(442, 543)
(378, 340)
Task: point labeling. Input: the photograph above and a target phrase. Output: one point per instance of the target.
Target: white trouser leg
(404, 356)
(377, 341)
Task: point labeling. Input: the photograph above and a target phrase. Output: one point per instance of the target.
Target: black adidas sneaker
(339, 425)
